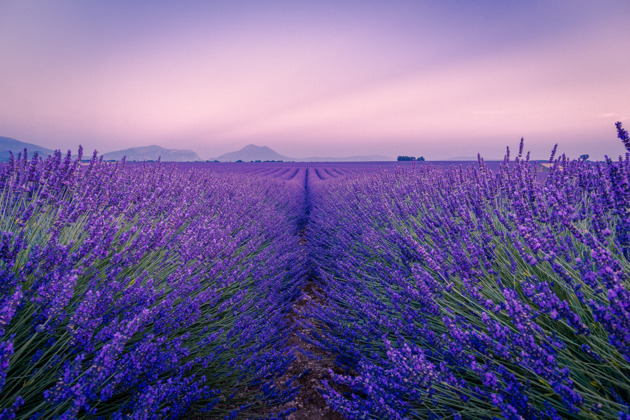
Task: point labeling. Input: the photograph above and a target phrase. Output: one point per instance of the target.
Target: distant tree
(406, 158)
(421, 158)
(239, 161)
(584, 157)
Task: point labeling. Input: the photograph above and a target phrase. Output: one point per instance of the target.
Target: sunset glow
(441, 80)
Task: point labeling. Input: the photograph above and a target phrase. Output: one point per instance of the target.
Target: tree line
(410, 158)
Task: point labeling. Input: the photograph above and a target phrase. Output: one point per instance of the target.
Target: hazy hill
(7, 144)
(252, 152)
(153, 153)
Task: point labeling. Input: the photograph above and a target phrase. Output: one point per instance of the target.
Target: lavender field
(156, 290)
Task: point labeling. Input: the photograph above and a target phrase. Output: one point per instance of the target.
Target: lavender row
(476, 293)
(144, 290)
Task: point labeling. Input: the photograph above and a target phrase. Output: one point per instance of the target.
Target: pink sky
(312, 78)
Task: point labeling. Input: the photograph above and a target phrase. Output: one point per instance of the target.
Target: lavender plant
(472, 293)
(623, 135)
(143, 290)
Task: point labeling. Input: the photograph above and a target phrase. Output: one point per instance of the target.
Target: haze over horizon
(438, 79)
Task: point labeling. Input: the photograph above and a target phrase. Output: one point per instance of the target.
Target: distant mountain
(252, 152)
(153, 153)
(7, 144)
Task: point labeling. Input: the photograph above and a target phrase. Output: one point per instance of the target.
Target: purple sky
(439, 79)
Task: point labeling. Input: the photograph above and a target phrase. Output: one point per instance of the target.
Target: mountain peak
(8, 145)
(254, 147)
(153, 152)
(252, 152)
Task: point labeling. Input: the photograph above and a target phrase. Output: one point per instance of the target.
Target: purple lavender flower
(6, 351)
(623, 135)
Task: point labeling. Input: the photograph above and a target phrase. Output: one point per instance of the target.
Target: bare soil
(310, 370)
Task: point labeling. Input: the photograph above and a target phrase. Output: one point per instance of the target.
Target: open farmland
(481, 290)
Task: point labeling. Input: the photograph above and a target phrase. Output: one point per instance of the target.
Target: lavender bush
(143, 290)
(472, 293)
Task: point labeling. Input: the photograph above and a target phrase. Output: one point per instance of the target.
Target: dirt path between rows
(310, 369)
(312, 364)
